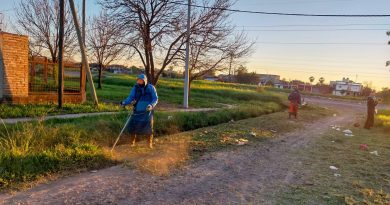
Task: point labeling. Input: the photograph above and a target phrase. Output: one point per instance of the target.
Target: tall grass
(38, 110)
(32, 150)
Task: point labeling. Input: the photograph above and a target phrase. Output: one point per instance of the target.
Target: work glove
(149, 108)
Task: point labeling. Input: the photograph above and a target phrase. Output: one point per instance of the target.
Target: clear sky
(300, 47)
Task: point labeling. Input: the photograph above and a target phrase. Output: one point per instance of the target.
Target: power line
(321, 30)
(288, 14)
(319, 43)
(312, 25)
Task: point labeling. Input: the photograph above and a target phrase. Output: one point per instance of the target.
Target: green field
(117, 87)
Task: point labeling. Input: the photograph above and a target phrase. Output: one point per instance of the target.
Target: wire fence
(43, 76)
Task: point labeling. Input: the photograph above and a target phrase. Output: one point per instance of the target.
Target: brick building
(20, 78)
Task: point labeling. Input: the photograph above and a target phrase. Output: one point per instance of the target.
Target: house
(346, 87)
(211, 78)
(268, 79)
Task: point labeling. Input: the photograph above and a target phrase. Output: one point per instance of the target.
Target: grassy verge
(38, 110)
(364, 178)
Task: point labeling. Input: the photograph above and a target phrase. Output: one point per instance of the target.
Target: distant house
(302, 86)
(346, 87)
(268, 79)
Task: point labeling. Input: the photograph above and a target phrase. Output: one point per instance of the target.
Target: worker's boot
(133, 137)
(150, 141)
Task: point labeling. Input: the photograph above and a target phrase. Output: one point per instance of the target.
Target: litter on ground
(374, 153)
(349, 135)
(94, 171)
(253, 134)
(337, 175)
(347, 131)
(333, 168)
(242, 141)
(363, 147)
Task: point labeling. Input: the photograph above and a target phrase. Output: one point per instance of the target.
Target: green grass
(37, 110)
(203, 93)
(365, 178)
(116, 87)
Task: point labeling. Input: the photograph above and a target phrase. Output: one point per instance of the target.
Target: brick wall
(13, 66)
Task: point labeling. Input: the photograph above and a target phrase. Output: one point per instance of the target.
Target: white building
(346, 87)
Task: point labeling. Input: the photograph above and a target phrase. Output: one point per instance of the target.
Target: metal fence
(43, 76)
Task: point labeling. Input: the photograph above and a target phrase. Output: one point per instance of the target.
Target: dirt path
(251, 175)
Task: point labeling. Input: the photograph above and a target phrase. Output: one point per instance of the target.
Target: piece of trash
(170, 117)
(347, 131)
(349, 135)
(242, 141)
(253, 134)
(334, 115)
(337, 175)
(363, 147)
(94, 171)
(374, 153)
(274, 131)
(333, 168)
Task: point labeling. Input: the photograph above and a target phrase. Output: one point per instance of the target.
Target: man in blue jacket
(144, 98)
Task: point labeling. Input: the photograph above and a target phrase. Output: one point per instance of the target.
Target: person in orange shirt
(295, 101)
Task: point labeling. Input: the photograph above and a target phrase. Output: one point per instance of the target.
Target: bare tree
(216, 50)
(102, 41)
(39, 19)
(156, 29)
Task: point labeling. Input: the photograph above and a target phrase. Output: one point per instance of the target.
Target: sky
(300, 47)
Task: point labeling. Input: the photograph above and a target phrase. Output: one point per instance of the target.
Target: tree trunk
(100, 76)
(189, 88)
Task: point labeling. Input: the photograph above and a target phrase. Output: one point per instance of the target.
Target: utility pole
(83, 22)
(61, 56)
(186, 72)
(83, 53)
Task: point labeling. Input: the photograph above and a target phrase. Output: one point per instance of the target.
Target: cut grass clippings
(361, 178)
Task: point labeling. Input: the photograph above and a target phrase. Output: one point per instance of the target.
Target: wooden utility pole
(186, 72)
(61, 55)
(83, 53)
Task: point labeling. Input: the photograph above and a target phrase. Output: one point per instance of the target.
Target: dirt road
(239, 176)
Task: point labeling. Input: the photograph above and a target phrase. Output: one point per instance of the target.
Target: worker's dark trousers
(370, 120)
(133, 137)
